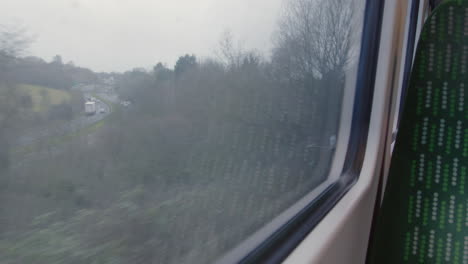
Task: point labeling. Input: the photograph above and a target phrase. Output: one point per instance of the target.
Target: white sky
(118, 35)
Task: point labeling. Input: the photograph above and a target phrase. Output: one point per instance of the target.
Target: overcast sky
(118, 35)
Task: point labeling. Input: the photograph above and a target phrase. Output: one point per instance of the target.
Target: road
(63, 129)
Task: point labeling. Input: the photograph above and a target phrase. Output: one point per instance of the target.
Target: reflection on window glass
(164, 131)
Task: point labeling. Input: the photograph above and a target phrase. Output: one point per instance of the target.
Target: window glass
(165, 131)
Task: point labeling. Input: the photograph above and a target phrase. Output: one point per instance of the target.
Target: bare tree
(314, 38)
(14, 40)
(230, 53)
(313, 47)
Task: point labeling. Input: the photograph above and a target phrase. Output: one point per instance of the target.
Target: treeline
(207, 153)
(53, 74)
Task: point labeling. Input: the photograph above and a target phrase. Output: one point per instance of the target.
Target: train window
(176, 131)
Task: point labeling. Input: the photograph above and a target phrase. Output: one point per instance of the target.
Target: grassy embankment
(43, 98)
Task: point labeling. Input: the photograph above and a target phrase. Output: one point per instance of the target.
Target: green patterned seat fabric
(424, 216)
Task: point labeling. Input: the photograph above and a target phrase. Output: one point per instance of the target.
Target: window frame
(343, 236)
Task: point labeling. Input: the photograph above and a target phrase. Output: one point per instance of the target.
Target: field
(43, 97)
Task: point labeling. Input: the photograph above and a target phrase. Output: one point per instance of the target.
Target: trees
(55, 74)
(185, 63)
(57, 59)
(228, 53)
(313, 38)
(161, 72)
(13, 41)
(313, 47)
